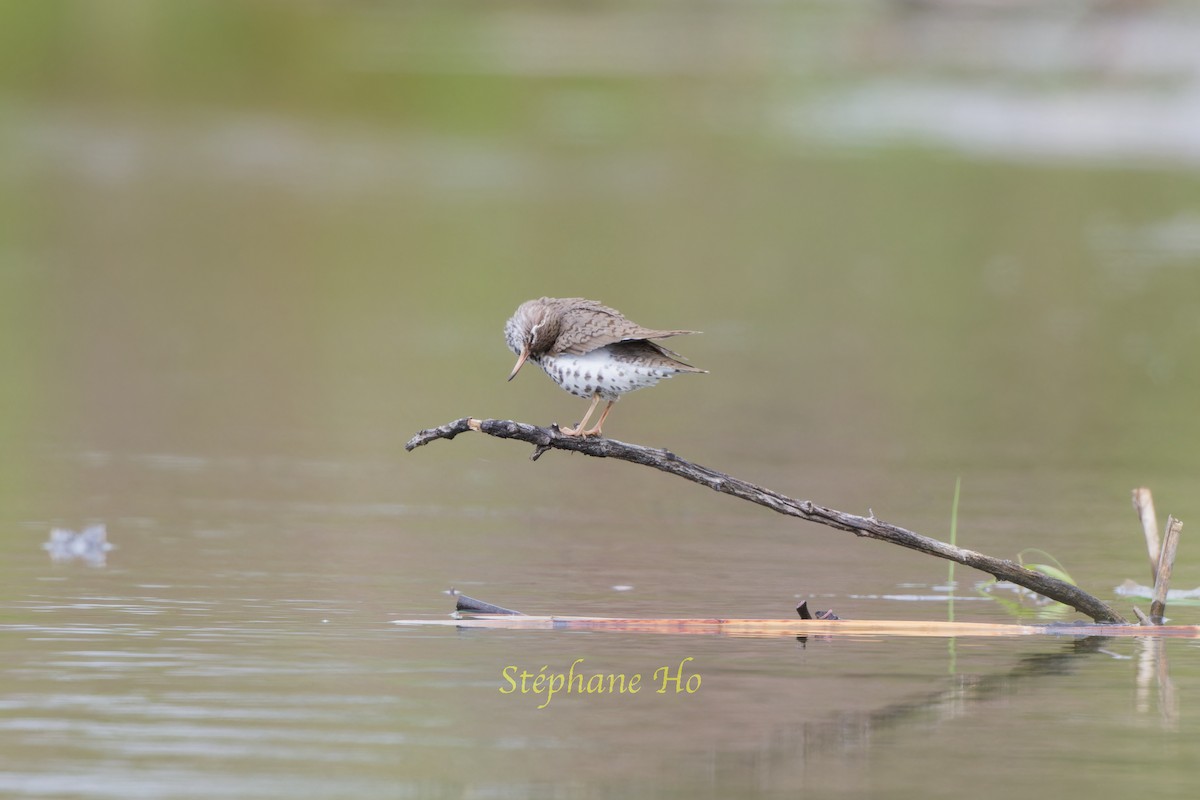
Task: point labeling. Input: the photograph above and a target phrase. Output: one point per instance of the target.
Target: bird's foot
(578, 431)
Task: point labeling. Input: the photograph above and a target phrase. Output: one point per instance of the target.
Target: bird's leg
(603, 416)
(578, 429)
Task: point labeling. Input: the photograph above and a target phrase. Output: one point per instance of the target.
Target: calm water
(247, 250)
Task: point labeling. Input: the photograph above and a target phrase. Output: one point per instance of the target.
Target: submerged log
(806, 627)
(546, 439)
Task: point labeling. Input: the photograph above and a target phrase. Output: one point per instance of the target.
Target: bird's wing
(588, 325)
(652, 354)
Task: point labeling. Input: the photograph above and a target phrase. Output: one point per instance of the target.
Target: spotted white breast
(603, 372)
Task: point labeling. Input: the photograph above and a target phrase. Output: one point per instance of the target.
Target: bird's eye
(534, 330)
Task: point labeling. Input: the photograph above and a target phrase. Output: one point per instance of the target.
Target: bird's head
(531, 331)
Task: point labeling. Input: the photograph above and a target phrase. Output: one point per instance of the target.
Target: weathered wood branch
(545, 439)
(1162, 575)
(1143, 504)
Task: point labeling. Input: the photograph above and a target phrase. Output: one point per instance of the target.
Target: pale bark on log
(544, 439)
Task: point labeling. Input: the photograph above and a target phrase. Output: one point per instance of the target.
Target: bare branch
(1143, 503)
(1166, 562)
(545, 439)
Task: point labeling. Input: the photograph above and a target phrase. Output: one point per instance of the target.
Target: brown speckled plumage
(590, 350)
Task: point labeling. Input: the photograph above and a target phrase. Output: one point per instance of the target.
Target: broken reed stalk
(1143, 503)
(1166, 562)
(545, 439)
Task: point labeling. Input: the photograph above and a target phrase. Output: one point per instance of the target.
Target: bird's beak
(520, 361)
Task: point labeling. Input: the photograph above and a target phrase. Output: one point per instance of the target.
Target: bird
(591, 351)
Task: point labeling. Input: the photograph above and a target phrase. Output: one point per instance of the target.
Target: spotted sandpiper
(591, 351)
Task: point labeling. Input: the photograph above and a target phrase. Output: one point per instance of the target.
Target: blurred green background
(910, 231)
